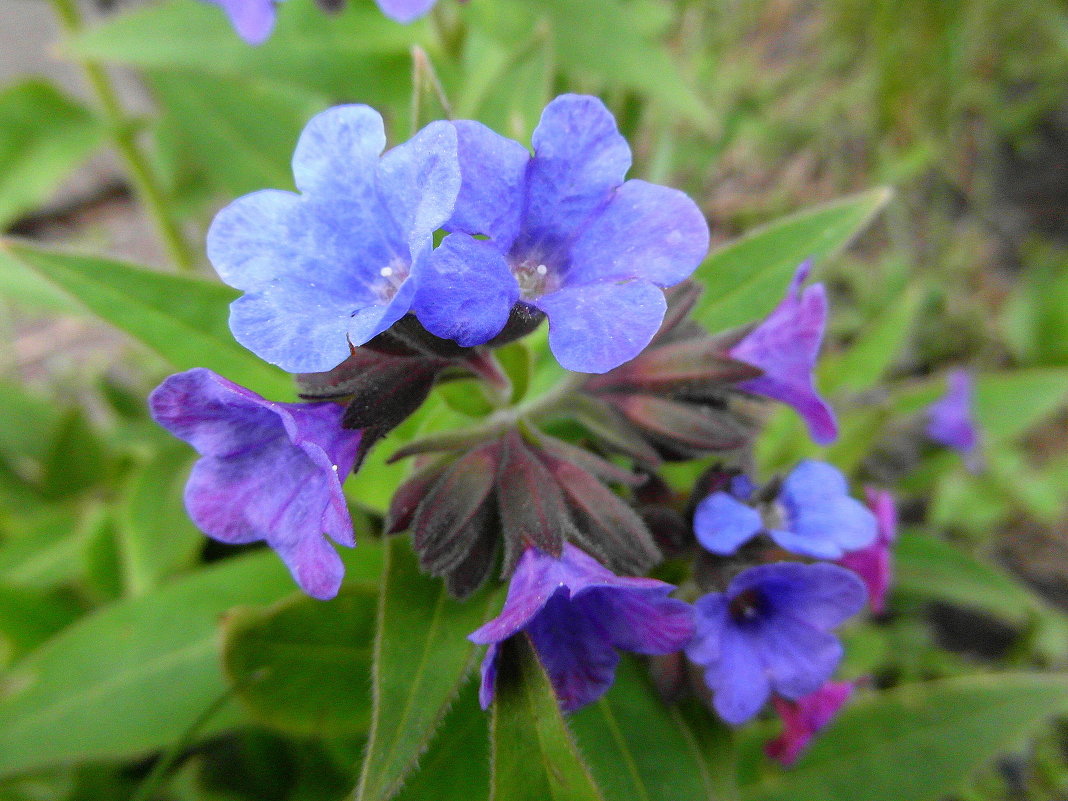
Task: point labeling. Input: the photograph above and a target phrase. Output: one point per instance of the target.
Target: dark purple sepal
(688, 429)
(590, 462)
(532, 508)
(410, 494)
(690, 364)
(681, 300)
(612, 431)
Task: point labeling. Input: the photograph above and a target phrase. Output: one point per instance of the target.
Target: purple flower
(405, 11)
(951, 421)
(770, 631)
(874, 564)
(268, 471)
(566, 236)
(252, 19)
(577, 613)
(813, 515)
(785, 346)
(804, 718)
(337, 264)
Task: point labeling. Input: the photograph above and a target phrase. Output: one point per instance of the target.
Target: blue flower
(951, 421)
(405, 11)
(785, 346)
(338, 263)
(565, 235)
(577, 613)
(268, 471)
(770, 631)
(813, 515)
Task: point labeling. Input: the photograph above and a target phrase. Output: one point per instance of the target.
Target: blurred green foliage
(119, 630)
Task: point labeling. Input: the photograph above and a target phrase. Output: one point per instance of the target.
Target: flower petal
(487, 686)
(252, 19)
(492, 194)
(405, 11)
(646, 231)
(597, 327)
(820, 595)
(723, 524)
(315, 566)
(338, 151)
(785, 346)
(799, 658)
(644, 621)
(951, 421)
(579, 159)
(466, 291)
(827, 522)
(418, 182)
(737, 678)
(576, 653)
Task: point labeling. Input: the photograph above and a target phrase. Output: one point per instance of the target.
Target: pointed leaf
(534, 756)
(420, 659)
(182, 319)
(918, 741)
(746, 279)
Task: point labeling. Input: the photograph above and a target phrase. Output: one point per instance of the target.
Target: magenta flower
(268, 471)
(951, 421)
(804, 718)
(577, 614)
(770, 631)
(785, 346)
(874, 564)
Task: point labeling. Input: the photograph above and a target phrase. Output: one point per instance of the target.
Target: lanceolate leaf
(132, 676)
(183, 319)
(533, 754)
(746, 279)
(421, 657)
(639, 748)
(918, 741)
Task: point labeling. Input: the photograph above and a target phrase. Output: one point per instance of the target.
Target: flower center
(534, 277)
(746, 605)
(390, 279)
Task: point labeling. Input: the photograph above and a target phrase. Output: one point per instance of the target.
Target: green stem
(121, 129)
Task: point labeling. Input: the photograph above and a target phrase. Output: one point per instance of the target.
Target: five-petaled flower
(813, 515)
(804, 718)
(770, 631)
(564, 234)
(785, 346)
(577, 613)
(335, 265)
(268, 471)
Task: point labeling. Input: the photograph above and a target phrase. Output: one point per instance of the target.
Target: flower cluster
(391, 272)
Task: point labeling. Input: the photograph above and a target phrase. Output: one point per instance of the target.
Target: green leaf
(456, 766)
(27, 426)
(422, 655)
(357, 54)
(183, 319)
(534, 757)
(1008, 404)
(302, 665)
(29, 617)
(240, 131)
(746, 279)
(131, 676)
(638, 748)
(874, 351)
(46, 135)
(156, 536)
(43, 547)
(76, 459)
(928, 567)
(916, 742)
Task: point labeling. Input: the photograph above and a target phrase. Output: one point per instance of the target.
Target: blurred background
(757, 108)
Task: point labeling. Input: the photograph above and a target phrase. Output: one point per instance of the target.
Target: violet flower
(577, 614)
(566, 235)
(785, 346)
(268, 471)
(334, 266)
(254, 19)
(813, 515)
(770, 631)
(874, 564)
(951, 421)
(804, 718)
